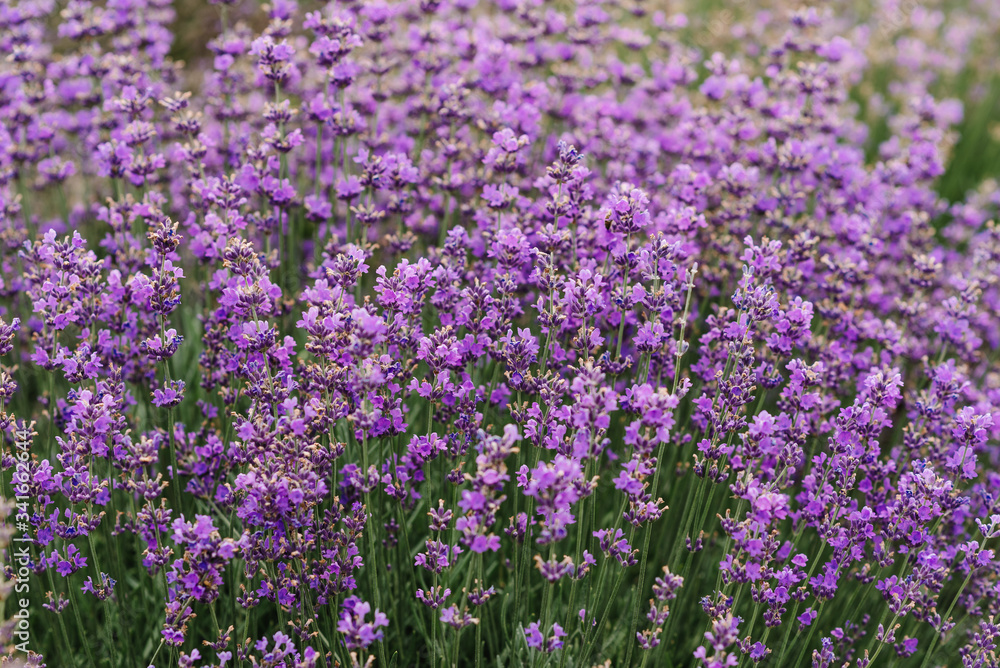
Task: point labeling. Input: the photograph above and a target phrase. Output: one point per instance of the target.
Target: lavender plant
(463, 333)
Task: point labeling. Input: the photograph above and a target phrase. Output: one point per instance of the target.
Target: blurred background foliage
(964, 36)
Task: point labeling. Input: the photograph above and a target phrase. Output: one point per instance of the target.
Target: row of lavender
(452, 333)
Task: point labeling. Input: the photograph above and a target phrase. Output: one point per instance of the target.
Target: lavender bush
(456, 333)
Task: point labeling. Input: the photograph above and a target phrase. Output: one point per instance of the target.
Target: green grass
(976, 156)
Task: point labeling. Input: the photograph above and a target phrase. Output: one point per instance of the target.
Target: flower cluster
(446, 332)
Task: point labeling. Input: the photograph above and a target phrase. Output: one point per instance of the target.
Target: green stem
(62, 623)
(74, 603)
(947, 615)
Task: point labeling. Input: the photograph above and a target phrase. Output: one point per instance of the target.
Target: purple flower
(536, 639)
(359, 633)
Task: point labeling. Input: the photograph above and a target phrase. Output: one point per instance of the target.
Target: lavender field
(499, 333)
